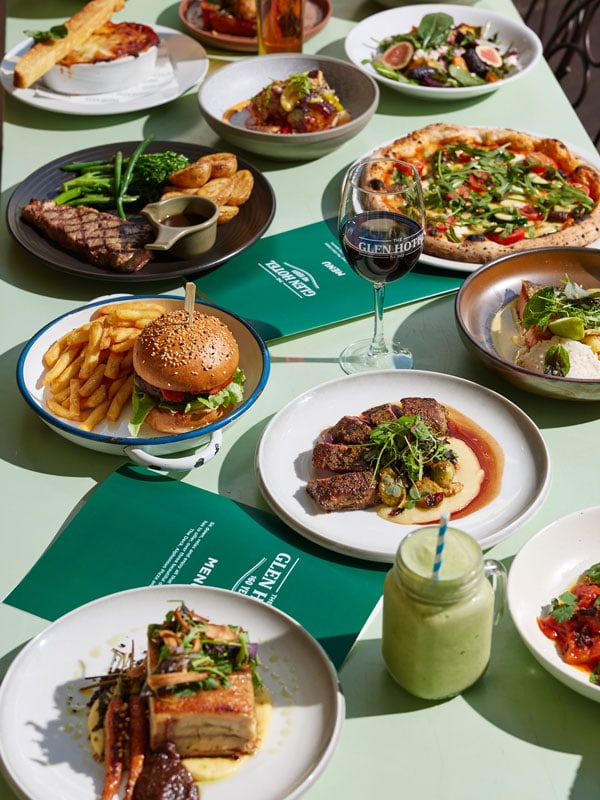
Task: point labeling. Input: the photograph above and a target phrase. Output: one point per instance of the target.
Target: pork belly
(100, 238)
(349, 490)
(212, 722)
(216, 715)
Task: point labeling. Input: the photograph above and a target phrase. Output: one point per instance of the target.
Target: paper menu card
(299, 280)
(139, 528)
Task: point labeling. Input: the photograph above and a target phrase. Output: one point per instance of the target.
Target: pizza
(493, 191)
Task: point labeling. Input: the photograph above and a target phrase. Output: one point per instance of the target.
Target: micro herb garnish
(185, 647)
(55, 32)
(570, 300)
(406, 445)
(563, 607)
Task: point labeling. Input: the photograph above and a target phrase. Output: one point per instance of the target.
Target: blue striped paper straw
(439, 548)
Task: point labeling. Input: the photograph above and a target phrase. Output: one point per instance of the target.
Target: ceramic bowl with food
(511, 38)
(117, 56)
(149, 447)
(224, 95)
(546, 566)
(488, 324)
(185, 224)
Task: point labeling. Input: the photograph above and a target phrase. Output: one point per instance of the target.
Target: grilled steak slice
(351, 490)
(350, 430)
(431, 412)
(102, 239)
(339, 457)
(387, 412)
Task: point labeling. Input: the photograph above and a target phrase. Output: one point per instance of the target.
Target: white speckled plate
(181, 64)
(43, 748)
(545, 567)
(284, 459)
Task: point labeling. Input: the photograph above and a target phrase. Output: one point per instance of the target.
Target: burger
(186, 373)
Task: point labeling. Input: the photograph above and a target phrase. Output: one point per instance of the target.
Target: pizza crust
(421, 144)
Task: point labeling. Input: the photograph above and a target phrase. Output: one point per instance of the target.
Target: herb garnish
(55, 32)
(399, 452)
(570, 300)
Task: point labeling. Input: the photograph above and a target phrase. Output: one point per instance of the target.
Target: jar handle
(496, 572)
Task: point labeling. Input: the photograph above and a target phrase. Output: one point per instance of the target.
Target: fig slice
(398, 55)
(489, 55)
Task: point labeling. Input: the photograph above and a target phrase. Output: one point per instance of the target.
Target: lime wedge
(567, 328)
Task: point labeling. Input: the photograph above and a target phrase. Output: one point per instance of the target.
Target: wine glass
(381, 230)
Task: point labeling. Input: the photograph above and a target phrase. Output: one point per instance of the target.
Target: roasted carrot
(137, 741)
(114, 745)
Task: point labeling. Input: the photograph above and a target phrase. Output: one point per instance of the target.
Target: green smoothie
(437, 634)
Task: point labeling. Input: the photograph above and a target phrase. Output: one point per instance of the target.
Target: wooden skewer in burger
(187, 372)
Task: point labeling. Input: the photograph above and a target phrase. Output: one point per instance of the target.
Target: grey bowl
(485, 320)
(239, 81)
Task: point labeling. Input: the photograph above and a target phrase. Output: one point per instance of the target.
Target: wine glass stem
(378, 344)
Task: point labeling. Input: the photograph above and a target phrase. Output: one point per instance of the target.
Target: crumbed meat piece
(350, 430)
(431, 412)
(350, 490)
(102, 239)
(387, 412)
(339, 457)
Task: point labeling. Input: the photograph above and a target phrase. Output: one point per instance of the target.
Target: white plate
(466, 266)
(362, 42)
(182, 63)
(44, 750)
(283, 459)
(545, 567)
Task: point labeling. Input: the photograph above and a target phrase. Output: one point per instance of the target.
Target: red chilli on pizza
(492, 191)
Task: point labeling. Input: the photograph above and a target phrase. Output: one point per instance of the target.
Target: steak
(349, 491)
(100, 238)
(339, 457)
(433, 414)
(350, 430)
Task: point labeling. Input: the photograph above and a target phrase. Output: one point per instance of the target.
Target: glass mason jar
(437, 632)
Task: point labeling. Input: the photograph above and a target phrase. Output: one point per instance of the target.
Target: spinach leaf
(434, 29)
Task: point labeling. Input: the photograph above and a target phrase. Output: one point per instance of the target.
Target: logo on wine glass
(392, 246)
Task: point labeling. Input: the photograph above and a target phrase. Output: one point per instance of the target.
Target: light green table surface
(518, 733)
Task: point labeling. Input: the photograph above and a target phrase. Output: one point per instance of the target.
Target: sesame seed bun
(182, 356)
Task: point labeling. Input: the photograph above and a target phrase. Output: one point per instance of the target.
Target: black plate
(232, 237)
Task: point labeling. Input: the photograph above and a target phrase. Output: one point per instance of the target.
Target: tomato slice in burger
(222, 386)
(173, 397)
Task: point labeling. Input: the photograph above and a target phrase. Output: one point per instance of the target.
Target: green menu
(299, 280)
(140, 528)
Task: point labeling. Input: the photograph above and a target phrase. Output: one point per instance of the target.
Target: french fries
(217, 177)
(89, 370)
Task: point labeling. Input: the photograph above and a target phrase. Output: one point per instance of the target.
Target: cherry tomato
(402, 167)
(539, 162)
(479, 181)
(581, 186)
(531, 212)
(508, 238)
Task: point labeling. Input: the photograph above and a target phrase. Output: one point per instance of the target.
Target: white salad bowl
(362, 42)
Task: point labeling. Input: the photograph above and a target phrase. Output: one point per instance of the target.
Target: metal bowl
(236, 83)
(484, 313)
